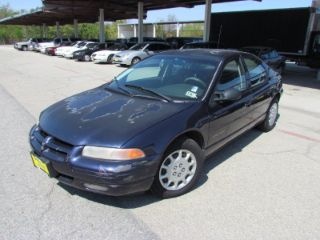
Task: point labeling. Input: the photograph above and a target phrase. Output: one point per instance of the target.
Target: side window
(232, 77)
(153, 47)
(255, 71)
(163, 47)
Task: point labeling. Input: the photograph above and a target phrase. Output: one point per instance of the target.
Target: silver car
(138, 52)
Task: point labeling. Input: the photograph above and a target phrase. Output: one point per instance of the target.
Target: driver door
(228, 117)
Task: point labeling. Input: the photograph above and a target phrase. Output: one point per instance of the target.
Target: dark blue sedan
(153, 126)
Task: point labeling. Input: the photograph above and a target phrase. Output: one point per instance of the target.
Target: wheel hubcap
(135, 61)
(177, 170)
(273, 112)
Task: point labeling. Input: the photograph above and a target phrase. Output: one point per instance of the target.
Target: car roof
(261, 48)
(220, 53)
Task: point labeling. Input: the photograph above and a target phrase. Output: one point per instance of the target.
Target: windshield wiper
(121, 88)
(168, 99)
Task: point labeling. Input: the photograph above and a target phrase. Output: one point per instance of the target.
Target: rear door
(258, 86)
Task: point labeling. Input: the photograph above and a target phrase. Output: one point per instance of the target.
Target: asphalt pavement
(261, 186)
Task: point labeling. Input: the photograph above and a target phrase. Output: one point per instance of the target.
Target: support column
(75, 28)
(118, 27)
(207, 21)
(178, 29)
(154, 30)
(140, 22)
(134, 30)
(57, 29)
(102, 35)
(44, 30)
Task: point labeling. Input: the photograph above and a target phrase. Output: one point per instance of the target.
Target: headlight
(112, 153)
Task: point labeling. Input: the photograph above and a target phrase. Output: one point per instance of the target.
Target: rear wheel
(180, 169)
(271, 118)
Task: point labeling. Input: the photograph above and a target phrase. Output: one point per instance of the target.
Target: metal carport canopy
(117, 9)
(65, 11)
(46, 17)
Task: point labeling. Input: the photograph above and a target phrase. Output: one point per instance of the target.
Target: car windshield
(139, 46)
(117, 47)
(170, 76)
(92, 45)
(81, 44)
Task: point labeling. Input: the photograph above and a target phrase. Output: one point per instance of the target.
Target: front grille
(49, 147)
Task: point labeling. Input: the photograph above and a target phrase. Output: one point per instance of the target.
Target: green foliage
(191, 30)
(10, 34)
(186, 30)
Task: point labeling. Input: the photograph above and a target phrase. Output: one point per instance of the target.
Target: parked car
(105, 56)
(41, 47)
(68, 53)
(85, 54)
(178, 42)
(60, 51)
(138, 52)
(155, 124)
(134, 40)
(194, 45)
(269, 55)
(27, 45)
(52, 50)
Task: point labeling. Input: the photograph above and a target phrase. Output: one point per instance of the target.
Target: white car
(54, 43)
(138, 52)
(68, 53)
(60, 51)
(27, 45)
(105, 56)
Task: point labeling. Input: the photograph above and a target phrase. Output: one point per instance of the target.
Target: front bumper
(100, 59)
(78, 57)
(68, 55)
(121, 60)
(114, 178)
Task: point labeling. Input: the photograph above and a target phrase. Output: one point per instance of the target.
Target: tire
(271, 118)
(24, 48)
(135, 60)
(109, 60)
(87, 58)
(178, 172)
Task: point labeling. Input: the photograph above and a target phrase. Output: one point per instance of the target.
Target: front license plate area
(43, 165)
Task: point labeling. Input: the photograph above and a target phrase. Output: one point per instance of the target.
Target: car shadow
(300, 76)
(235, 146)
(147, 198)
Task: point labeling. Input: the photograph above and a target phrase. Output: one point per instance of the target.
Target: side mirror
(230, 94)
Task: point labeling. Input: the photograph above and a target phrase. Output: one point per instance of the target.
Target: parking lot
(261, 186)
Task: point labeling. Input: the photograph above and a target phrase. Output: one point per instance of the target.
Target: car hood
(63, 48)
(128, 52)
(106, 52)
(21, 43)
(100, 117)
(46, 44)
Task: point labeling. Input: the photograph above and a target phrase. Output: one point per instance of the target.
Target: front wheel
(87, 58)
(180, 169)
(135, 60)
(271, 118)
